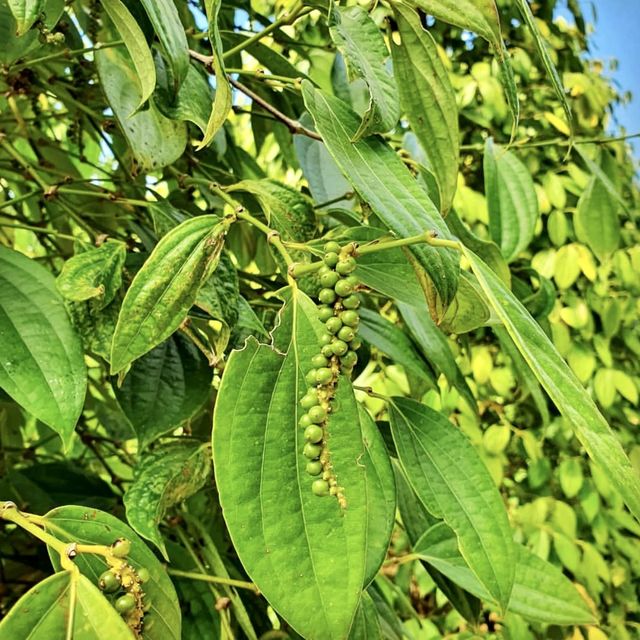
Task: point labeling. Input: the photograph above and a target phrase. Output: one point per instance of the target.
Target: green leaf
(223, 98)
(90, 526)
(468, 310)
(601, 175)
(512, 200)
(25, 12)
(164, 388)
(545, 56)
(435, 348)
(163, 478)
(166, 23)
(383, 181)
(136, 44)
(219, 296)
(42, 365)
(596, 219)
(94, 273)
(561, 384)
(64, 605)
(166, 287)
(393, 342)
(358, 38)
(155, 141)
(428, 99)
(366, 625)
(452, 482)
(540, 591)
(305, 555)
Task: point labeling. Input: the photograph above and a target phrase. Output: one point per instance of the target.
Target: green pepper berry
(343, 288)
(347, 334)
(326, 351)
(330, 259)
(340, 347)
(349, 359)
(304, 421)
(354, 281)
(327, 296)
(108, 582)
(310, 399)
(121, 548)
(333, 325)
(329, 279)
(324, 269)
(325, 312)
(352, 302)
(356, 343)
(320, 488)
(311, 451)
(319, 361)
(325, 338)
(143, 574)
(332, 247)
(345, 266)
(317, 414)
(324, 375)
(350, 318)
(310, 378)
(314, 433)
(314, 468)
(125, 603)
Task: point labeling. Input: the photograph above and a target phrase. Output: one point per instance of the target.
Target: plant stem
(259, 74)
(347, 196)
(25, 164)
(50, 232)
(9, 512)
(66, 53)
(213, 579)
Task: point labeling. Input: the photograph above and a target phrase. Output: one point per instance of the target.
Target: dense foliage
(317, 320)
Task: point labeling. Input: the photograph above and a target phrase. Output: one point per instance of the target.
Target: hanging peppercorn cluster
(338, 311)
(124, 583)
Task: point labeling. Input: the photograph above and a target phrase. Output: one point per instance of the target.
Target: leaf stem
(51, 232)
(213, 579)
(9, 512)
(23, 162)
(67, 53)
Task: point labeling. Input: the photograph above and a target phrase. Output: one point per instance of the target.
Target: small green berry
(310, 399)
(343, 288)
(317, 414)
(352, 302)
(356, 343)
(320, 488)
(329, 279)
(331, 259)
(325, 338)
(143, 574)
(314, 433)
(349, 359)
(325, 312)
(354, 281)
(304, 421)
(340, 347)
(324, 375)
(125, 603)
(350, 318)
(121, 548)
(326, 351)
(333, 325)
(327, 296)
(311, 451)
(332, 247)
(319, 361)
(346, 266)
(324, 269)
(347, 334)
(108, 582)
(310, 378)
(314, 468)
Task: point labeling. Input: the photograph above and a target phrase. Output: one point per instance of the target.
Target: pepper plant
(317, 320)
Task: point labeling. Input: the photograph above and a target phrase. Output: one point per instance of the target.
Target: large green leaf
(366, 625)
(42, 366)
(561, 384)
(166, 287)
(382, 180)
(540, 591)
(166, 23)
(136, 44)
(25, 12)
(223, 98)
(512, 200)
(358, 38)
(164, 388)
(90, 526)
(64, 605)
(306, 555)
(155, 141)
(163, 478)
(94, 273)
(428, 99)
(451, 480)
